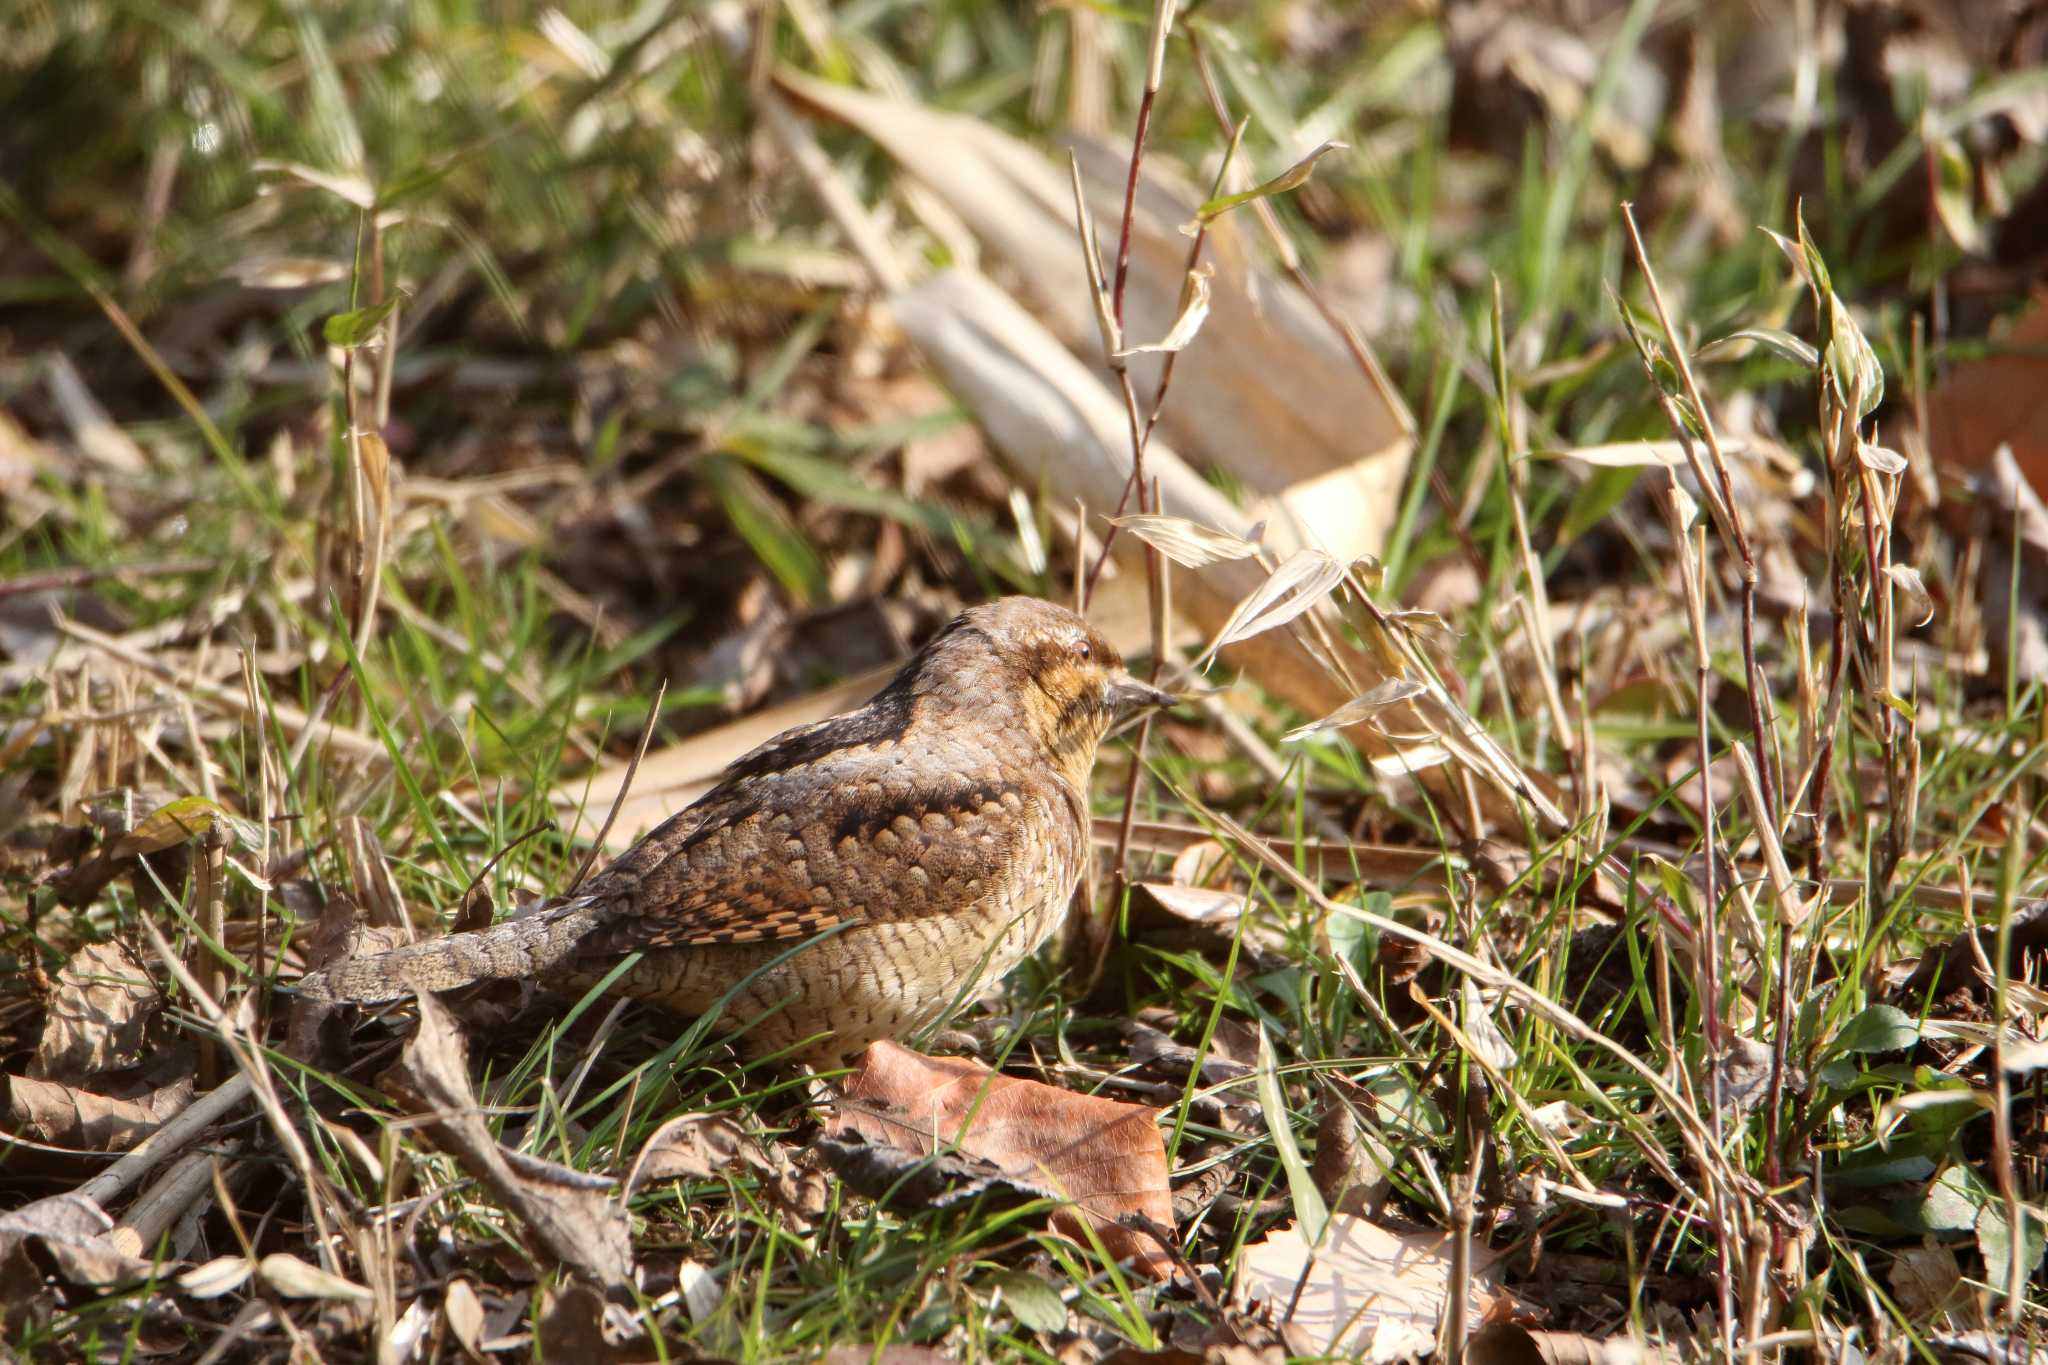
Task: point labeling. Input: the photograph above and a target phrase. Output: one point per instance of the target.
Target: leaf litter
(175, 703)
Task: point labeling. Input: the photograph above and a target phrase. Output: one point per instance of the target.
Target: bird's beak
(1125, 690)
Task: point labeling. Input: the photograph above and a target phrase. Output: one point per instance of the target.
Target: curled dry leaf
(1194, 309)
(72, 1231)
(286, 272)
(465, 1315)
(702, 1290)
(1352, 1166)
(1880, 459)
(99, 1016)
(1366, 1292)
(1187, 543)
(687, 1147)
(1908, 581)
(1402, 762)
(1485, 1035)
(1196, 904)
(221, 1275)
(353, 189)
(1105, 1156)
(1360, 707)
(69, 1117)
(296, 1279)
(580, 1227)
(905, 1178)
(1303, 579)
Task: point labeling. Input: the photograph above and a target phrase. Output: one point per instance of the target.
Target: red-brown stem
(1781, 1013)
(1123, 240)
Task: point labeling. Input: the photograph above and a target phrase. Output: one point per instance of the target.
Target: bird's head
(1069, 682)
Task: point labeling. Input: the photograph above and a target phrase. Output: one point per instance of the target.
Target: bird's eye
(1081, 650)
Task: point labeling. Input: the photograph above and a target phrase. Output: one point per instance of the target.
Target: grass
(629, 424)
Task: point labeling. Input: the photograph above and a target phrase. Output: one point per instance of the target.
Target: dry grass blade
(1698, 1140)
(1621, 455)
(1187, 543)
(1300, 581)
(1359, 708)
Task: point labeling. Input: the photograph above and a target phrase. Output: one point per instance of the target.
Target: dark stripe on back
(863, 821)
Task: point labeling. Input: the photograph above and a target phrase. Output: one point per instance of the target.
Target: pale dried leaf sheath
(1187, 543)
(1360, 707)
(1303, 579)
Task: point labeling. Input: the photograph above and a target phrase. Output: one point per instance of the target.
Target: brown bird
(928, 842)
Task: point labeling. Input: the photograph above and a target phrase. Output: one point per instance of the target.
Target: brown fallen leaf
(1504, 1343)
(99, 1018)
(1105, 1156)
(1365, 1292)
(578, 1225)
(1926, 1281)
(70, 1117)
(889, 1355)
(908, 1179)
(688, 1147)
(71, 1231)
(464, 1314)
(1999, 399)
(578, 1323)
(1352, 1165)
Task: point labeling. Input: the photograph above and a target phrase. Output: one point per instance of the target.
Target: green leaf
(1775, 340)
(1357, 940)
(1954, 1199)
(1881, 1028)
(1034, 1303)
(1838, 1075)
(764, 525)
(1955, 195)
(1994, 1239)
(1852, 365)
(1597, 497)
(167, 826)
(352, 329)
(1293, 178)
(1309, 1209)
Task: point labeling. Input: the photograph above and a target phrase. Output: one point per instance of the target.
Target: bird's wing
(827, 836)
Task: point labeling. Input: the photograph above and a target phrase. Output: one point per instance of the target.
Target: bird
(850, 880)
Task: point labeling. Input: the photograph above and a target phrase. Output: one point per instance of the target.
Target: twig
(249, 1058)
(1155, 68)
(167, 1141)
(51, 580)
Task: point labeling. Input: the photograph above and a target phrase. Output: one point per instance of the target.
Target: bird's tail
(521, 949)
